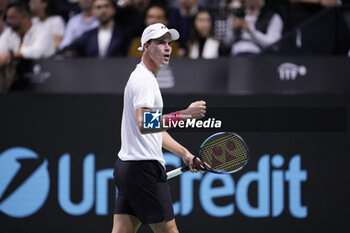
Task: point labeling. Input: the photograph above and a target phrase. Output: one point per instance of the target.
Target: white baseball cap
(157, 30)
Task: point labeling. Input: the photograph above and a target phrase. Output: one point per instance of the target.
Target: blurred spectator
(210, 4)
(301, 10)
(24, 39)
(154, 14)
(79, 23)
(325, 3)
(206, 4)
(132, 13)
(202, 43)
(253, 28)
(315, 28)
(108, 40)
(182, 20)
(3, 8)
(44, 14)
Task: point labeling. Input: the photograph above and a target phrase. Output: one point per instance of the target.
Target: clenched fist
(196, 110)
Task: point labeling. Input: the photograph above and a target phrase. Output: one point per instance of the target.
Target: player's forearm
(173, 146)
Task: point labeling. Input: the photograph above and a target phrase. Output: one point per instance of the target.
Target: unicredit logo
(277, 180)
(24, 182)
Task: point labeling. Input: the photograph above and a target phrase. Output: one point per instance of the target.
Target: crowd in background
(208, 29)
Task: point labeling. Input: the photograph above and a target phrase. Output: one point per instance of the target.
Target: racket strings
(225, 153)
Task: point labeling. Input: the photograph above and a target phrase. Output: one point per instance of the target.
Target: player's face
(159, 50)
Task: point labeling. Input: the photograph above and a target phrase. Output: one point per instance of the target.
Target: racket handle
(177, 172)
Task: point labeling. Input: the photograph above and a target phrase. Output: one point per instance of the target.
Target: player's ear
(145, 46)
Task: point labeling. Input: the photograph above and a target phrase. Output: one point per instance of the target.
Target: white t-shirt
(142, 90)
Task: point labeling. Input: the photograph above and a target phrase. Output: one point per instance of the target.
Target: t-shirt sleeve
(143, 94)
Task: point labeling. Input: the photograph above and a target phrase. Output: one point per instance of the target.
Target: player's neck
(150, 65)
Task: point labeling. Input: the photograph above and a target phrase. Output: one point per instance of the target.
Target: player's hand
(196, 110)
(193, 162)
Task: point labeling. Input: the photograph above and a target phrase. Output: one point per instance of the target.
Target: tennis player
(139, 173)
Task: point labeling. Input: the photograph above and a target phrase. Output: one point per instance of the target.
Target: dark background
(55, 124)
(243, 76)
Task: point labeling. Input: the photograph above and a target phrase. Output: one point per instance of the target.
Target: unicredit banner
(57, 154)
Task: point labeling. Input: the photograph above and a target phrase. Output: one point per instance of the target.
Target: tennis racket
(221, 153)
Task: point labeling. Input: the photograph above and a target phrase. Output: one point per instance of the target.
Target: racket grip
(176, 172)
